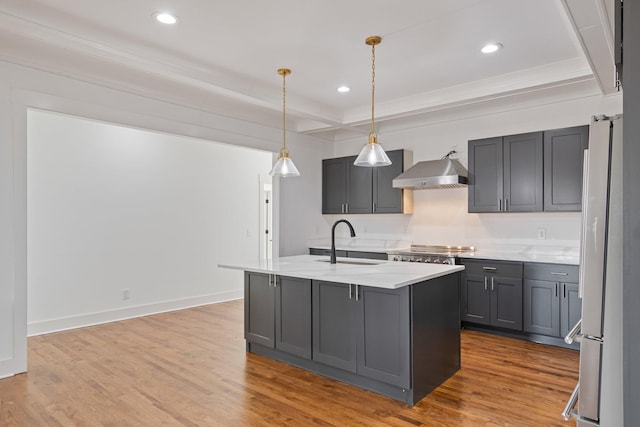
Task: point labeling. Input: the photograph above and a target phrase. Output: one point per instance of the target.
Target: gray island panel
(401, 343)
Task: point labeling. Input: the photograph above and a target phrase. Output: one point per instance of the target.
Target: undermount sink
(354, 262)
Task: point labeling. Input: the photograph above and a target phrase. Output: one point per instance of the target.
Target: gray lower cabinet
(551, 304)
(259, 309)
(542, 307)
(492, 293)
(334, 325)
(278, 313)
(401, 343)
(364, 330)
(570, 308)
(293, 316)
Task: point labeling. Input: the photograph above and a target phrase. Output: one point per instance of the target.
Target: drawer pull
(489, 268)
(554, 273)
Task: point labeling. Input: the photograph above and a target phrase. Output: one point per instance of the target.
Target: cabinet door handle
(555, 273)
(485, 283)
(500, 205)
(270, 280)
(357, 298)
(342, 208)
(506, 205)
(556, 290)
(346, 208)
(564, 291)
(492, 284)
(374, 207)
(349, 290)
(489, 268)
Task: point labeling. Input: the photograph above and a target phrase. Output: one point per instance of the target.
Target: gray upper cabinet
(492, 293)
(278, 313)
(335, 173)
(551, 304)
(364, 330)
(522, 165)
(563, 162)
(387, 199)
(350, 189)
(359, 188)
(505, 174)
(485, 175)
(529, 172)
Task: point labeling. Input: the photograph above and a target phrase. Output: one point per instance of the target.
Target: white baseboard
(66, 323)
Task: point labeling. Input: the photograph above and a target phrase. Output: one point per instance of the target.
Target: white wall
(22, 88)
(440, 216)
(113, 208)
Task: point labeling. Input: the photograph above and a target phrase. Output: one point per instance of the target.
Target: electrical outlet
(542, 233)
(125, 294)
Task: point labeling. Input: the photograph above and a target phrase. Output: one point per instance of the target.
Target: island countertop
(355, 271)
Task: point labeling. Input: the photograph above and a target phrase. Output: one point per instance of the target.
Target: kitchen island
(392, 328)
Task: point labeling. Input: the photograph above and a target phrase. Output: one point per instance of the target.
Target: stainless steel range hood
(443, 173)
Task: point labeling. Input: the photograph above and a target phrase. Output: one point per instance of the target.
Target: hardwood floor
(189, 368)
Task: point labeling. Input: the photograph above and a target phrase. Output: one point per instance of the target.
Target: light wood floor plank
(189, 368)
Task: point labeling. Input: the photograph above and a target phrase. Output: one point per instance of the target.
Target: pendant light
(284, 167)
(372, 155)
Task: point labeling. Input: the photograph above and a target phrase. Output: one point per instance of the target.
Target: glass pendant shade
(284, 167)
(372, 154)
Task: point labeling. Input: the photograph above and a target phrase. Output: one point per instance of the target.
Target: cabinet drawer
(494, 268)
(551, 272)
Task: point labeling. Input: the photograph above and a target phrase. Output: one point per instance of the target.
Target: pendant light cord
(284, 106)
(373, 85)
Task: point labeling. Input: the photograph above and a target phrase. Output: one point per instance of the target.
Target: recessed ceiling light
(491, 47)
(165, 18)
(344, 89)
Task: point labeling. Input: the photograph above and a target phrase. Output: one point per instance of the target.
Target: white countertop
(570, 257)
(368, 272)
(551, 255)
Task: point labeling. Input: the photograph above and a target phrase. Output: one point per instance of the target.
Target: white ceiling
(223, 55)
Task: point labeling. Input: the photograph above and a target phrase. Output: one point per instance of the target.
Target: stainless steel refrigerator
(600, 263)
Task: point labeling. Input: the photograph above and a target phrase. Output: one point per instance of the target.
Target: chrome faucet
(333, 237)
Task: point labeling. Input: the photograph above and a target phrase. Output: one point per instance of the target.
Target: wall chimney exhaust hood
(443, 173)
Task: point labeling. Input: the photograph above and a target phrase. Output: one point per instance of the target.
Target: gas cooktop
(433, 254)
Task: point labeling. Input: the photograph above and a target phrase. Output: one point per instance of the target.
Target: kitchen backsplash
(441, 217)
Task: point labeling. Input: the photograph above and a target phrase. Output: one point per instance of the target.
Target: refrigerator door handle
(568, 410)
(583, 246)
(574, 333)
